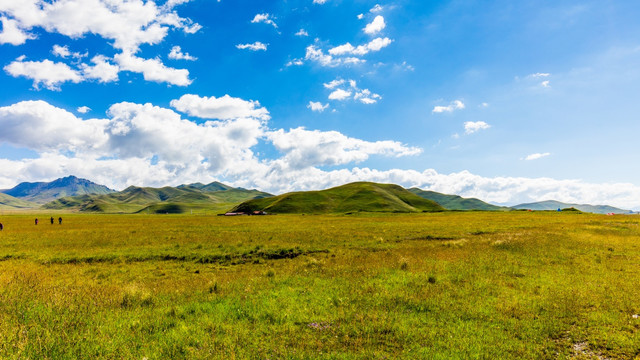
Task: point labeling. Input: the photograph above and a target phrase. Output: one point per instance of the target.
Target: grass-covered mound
(455, 202)
(10, 202)
(354, 197)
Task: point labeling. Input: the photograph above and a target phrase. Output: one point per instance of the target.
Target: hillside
(354, 197)
(555, 205)
(9, 202)
(43, 192)
(455, 202)
(158, 200)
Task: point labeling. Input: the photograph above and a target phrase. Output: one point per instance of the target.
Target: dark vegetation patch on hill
(354, 197)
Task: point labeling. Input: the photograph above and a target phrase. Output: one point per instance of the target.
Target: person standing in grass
(1, 227)
(60, 220)
(52, 220)
(36, 221)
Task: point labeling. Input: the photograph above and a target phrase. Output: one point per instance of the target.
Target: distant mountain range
(75, 194)
(43, 192)
(555, 205)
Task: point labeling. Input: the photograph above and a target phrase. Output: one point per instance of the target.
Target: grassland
(472, 285)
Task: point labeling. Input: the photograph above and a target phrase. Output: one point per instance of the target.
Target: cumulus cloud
(536, 156)
(152, 69)
(102, 70)
(317, 106)
(365, 96)
(317, 55)
(43, 73)
(224, 108)
(376, 9)
(83, 109)
(177, 54)
(302, 32)
(305, 148)
(340, 95)
(264, 18)
(256, 46)
(474, 126)
(375, 26)
(319, 1)
(127, 23)
(12, 34)
(454, 105)
(374, 45)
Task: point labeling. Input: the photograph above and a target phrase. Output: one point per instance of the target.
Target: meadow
(449, 285)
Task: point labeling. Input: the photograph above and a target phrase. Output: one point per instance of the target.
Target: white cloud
(317, 55)
(539, 75)
(374, 45)
(455, 105)
(256, 46)
(153, 69)
(47, 73)
(295, 62)
(264, 18)
(12, 34)
(332, 84)
(536, 156)
(304, 148)
(225, 107)
(375, 26)
(102, 70)
(367, 97)
(474, 126)
(360, 16)
(545, 83)
(177, 54)
(127, 23)
(83, 109)
(302, 32)
(64, 52)
(319, 1)
(340, 95)
(376, 9)
(317, 106)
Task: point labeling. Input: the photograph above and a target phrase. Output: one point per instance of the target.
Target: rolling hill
(157, 200)
(354, 197)
(43, 192)
(455, 202)
(9, 202)
(555, 205)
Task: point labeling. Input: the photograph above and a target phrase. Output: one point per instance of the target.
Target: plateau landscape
(319, 179)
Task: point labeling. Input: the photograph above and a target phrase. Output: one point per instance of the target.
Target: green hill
(43, 192)
(157, 200)
(555, 205)
(354, 197)
(455, 202)
(9, 202)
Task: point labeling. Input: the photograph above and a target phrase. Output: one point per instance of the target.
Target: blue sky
(506, 101)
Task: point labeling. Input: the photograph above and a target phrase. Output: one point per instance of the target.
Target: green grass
(455, 202)
(354, 197)
(469, 285)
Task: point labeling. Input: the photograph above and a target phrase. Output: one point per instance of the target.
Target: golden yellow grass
(368, 286)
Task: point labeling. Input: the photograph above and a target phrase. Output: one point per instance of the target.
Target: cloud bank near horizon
(148, 145)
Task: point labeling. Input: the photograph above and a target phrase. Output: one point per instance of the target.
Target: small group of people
(59, 220)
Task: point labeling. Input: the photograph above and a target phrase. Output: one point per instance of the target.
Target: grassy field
(467, 285)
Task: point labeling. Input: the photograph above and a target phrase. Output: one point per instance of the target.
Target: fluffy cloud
(64, 52)
(102, 70)
(375, 26)
(455, 105)
(224, 108)
(264, 18)
(302, 32)
(536, 156)
(317, 106)
(319, 1)
(127, 23)
(12, 34)
(83, 109)
(365, 96)
(177, 54)
(317, 55)
(46, 73)
(473, 126)
(376, 9)
(256, 46)
(304, 148)
(374, 45)
(152, 69)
